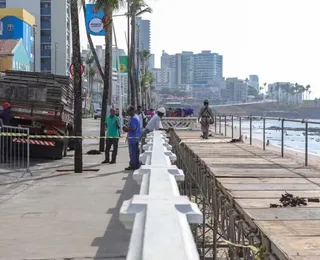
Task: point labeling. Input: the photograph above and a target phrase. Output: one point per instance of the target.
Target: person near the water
(205, 118)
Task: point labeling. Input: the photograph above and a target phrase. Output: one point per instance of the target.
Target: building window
(10, 27)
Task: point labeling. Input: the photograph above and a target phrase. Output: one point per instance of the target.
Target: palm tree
(144, 57)
(76, 61)
(137, 7)
(107, 6)
(307, 90)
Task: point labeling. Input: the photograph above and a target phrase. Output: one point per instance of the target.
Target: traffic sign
(71, 69)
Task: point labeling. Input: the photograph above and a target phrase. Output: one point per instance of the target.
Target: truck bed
(38, 96)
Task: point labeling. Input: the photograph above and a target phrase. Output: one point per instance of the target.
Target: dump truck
(42, 102)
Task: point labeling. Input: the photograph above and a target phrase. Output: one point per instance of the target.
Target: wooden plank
(272, 194)
(297, 248)
(273, 186)
(296, 213)
(262, 180)
(290, 228)
(267, 172)
(265, 203)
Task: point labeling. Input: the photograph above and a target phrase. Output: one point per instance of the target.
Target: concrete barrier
(181, 123)
(159, 216)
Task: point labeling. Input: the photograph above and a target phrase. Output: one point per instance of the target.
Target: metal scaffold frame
(223, 234)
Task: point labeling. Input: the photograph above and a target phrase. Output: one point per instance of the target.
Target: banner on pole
(123, 64)
(94, 22)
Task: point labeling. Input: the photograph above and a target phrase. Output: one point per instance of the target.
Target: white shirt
(154, 123)
(141, 117)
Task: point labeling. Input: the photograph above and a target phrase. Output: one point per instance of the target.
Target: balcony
(46, 53)
(45, 39)
(45, 11)
(46, 25)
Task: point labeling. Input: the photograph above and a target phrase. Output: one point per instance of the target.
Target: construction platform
(249, 180)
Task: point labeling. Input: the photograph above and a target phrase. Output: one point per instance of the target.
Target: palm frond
(109, 4)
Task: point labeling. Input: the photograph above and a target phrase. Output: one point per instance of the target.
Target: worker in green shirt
(113, 125)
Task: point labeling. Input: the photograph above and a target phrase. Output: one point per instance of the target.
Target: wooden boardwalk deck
(252, 179)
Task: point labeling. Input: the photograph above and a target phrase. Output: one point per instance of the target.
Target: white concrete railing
(180, 123)
(159, 216)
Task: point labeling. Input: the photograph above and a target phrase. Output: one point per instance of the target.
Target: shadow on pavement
(116, 238)
(104, 175)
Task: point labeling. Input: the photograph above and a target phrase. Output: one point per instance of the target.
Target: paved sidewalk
(69, 216)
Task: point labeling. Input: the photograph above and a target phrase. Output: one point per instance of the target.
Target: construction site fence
(243, 127)
(159, 216)
(14, 152)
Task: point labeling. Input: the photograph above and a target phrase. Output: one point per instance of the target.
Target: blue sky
(278, 40)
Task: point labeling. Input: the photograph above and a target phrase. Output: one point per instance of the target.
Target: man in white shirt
(154, 124)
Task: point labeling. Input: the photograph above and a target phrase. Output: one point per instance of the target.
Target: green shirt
(113, 130)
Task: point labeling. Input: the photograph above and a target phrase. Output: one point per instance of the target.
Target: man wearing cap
(5, 114)
(154, 124)
(134, 133)
(205, 118)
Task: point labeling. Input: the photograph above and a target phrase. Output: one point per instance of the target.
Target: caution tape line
(62, 137)
(259, 253)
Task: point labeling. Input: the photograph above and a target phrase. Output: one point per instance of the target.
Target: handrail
(219, 120)
(159, 216)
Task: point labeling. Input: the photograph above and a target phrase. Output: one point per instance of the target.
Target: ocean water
(293, 139)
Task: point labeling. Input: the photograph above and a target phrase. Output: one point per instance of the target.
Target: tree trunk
(107, 86)
(93, 50)
(133, 91)
(76, 61)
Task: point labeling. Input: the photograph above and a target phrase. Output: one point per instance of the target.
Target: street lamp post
(55, 57)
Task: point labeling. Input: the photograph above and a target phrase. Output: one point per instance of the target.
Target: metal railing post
(282, 137)
(219, 124)
(215, 124)
(240, 133)
(225, 126)
(250, 130)
(306, 146)
(264, 133)
(232, 127)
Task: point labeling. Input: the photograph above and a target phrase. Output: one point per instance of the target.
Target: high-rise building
(16, 24)
(207, 67)
(190, 68)
(236, 90)
(163, 78)
(143, 34)
(254, 81)
(53, 32)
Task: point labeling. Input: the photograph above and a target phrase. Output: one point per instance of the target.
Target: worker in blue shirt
(133, 130)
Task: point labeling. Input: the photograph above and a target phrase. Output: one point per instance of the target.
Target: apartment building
(53, 39)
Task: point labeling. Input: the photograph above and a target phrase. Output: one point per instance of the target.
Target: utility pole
(55, 57)
(128, 43)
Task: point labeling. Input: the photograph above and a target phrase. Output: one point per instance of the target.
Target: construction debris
(289, 200)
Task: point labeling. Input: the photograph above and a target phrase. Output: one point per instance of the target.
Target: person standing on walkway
(154, 124)
(133, 130)
(142, 117)
(205, 118)
(113, 126)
